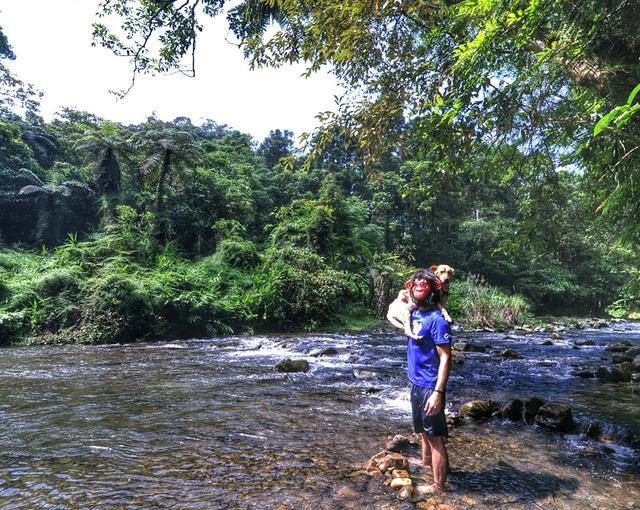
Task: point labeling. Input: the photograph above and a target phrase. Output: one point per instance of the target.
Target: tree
(165, 149)
(15, 95)
(530, 73)
(104, 145)
(277, 145)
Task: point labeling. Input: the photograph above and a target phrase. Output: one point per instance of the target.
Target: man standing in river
(428, 367)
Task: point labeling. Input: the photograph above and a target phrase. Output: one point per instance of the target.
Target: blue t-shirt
(422, 358)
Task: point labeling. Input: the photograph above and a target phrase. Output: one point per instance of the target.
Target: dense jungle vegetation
(499, 137)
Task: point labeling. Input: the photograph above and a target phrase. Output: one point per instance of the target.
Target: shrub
(479, 304)
(237, 252)
(306, 291)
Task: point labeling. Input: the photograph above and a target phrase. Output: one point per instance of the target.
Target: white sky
(52, 43)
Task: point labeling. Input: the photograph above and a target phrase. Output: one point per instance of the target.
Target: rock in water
(397, 483)
(478, 409)
(621, 346)
(394, 461)
(291, 365)
(329, 351)
(584, 341)
(555, 416)
(406, 493)
(616, 358)
(511, 354)
(632, 352)
(371, 373)
(398, 444)
(512, 410)
(469, 347)
(400, 473)
(531, 407)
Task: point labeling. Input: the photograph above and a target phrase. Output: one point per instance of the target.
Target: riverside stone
(594, 431)
(632, 352)
(371, 373)
(406, 493)
(397, 483)
(531, 407)
(400, 473)
(398, 443)
(469, 347)
(329, 351)
(511, 354)
(290, 365)
(616, 375)
(620, 346)
(478, 409)
(584, 341)
(620, 358)
(555, 416)
(395, 461)
(636, 362)
(584, 374)
(512, 410)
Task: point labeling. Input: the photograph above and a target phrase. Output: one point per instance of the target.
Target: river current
(208, 423)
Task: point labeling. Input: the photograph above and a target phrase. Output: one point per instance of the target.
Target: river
(208, 423)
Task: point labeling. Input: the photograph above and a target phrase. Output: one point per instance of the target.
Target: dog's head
(444, 273)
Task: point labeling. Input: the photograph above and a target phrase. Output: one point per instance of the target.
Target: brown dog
(445, 275)
(399, 313)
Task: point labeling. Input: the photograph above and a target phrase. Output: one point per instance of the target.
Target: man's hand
(434, 404)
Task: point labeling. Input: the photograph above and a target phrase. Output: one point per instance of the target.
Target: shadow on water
(505, 479)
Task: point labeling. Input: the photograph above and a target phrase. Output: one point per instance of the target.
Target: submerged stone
(397, 483)
(511, 354)
(329, 351)
(512, 410)
(406, 493)
(478, 409)
(469, 347)
(531, 407)
(290, 365)
(584, 341)
(620, 358)
(621, 346)
(555, 416)
(398, 443)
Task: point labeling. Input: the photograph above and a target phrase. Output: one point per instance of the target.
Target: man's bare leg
(426, 451)
(439, 465)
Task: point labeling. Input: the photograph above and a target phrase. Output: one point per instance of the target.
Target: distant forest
(111, 232)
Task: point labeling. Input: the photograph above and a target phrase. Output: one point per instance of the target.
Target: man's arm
(434, 403)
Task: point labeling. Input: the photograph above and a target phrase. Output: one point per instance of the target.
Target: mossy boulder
(292, 365)
(478, 409)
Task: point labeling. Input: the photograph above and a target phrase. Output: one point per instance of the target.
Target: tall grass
(478, 304)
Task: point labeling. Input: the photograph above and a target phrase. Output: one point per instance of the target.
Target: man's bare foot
(425, 489)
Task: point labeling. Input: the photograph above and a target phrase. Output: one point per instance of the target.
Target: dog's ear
(434, 267)
(407, 284)
(453, 271)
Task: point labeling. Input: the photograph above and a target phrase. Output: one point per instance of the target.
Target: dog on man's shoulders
(399, 313)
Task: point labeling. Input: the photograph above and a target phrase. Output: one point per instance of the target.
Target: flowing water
(210, 424)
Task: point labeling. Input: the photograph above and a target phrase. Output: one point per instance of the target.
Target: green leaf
(604, 122)
(633, 94)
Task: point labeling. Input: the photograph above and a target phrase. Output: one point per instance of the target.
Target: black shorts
(431, 425)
